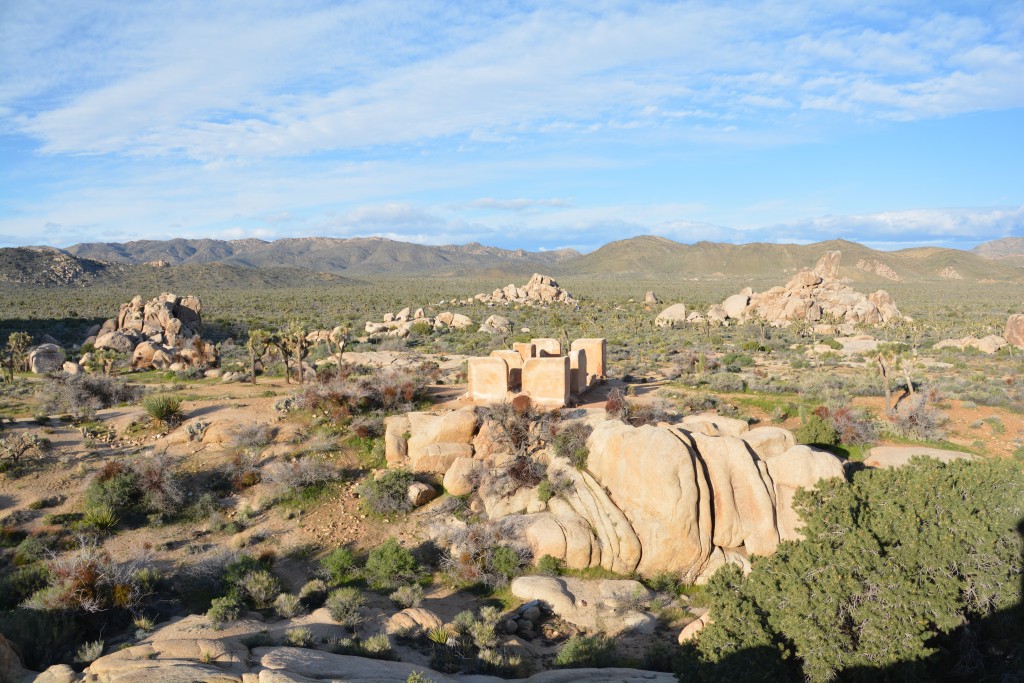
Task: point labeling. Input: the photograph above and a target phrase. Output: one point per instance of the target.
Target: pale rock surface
(654, 478)
(461, 476)
(46, 358)
(457, 426)
(769, 441)
(413, 621)
(715, 425)
(887, 457)
(672, 316)
(593, 605)
(496, 324)
(691, 630)
(1014, 333)
(420, 493)
(743, 497)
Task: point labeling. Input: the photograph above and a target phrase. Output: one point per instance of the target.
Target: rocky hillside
(1008, 250)
(649, 256)
(34, 266)
(361, 255)
(51, 267)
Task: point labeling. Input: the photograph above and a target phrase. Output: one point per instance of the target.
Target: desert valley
(367, 460)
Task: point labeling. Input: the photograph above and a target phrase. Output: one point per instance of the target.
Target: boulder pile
(163, 333)
(541, 290)
(816, 295)
(684, 498)
(400, 324)
(990, 344)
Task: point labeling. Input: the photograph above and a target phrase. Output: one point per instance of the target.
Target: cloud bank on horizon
(535, 125)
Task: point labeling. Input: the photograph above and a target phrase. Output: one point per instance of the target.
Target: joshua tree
(258, 343)
(17, 346)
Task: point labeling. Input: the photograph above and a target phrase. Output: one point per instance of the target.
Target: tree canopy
(908, 573)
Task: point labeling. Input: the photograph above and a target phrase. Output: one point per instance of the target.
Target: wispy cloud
(243, 81)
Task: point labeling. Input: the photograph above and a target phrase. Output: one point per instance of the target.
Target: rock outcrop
(46, 358)
(813, 295)
(540, 290)
(401, 324)
(888, 457)
(607, 605)
(1014, 333)
(990, 344)
(682, 498)
(672, 316)
(157, 334)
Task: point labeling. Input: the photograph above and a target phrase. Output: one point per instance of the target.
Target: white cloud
(239, 80)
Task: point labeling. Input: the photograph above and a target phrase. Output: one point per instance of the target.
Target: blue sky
(532, 125)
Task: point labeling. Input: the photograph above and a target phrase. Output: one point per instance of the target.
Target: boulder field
(684, 498)
(816, 295)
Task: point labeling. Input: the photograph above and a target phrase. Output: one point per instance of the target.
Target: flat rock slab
(887, 457)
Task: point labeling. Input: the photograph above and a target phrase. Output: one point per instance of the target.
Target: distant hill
(51, 267)
(649, 256)
(1008, 250)
(48, 267)
(355, 256)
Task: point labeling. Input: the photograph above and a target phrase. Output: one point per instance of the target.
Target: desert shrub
(488, 553)
(914, 419)
(619, 407)
(300, 472)
(388, 565)
(946, 534)
(337, 566)
(549, 565)
(224, 609)
(287, 605)
(726, 382)
(82, 395)
(852, 425)
(571, 442)
(89, 652)
(261, 587)
(299, 637)
(254, 437)
(816, 430)
(408, 596)
(163, 409)
(344, 604)
(734, 361)
(385, 390)
(115, 488)
(157, 479)
(387, 494)
(582, 651)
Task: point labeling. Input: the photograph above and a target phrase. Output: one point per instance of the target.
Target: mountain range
(292, 261)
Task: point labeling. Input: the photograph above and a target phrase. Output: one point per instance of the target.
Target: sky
(514, 124)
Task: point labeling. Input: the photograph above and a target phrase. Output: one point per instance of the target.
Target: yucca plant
(163, 409)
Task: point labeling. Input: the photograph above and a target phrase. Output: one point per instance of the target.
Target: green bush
(115, 488)
(344, 604)
(914, 570)
(549, 565)
(816, 430)
(336, 567)
(571, 443)
(506, 562)
(388, 494)
(261, 587)
(389, 565)
(225, 609)
(586, 652)
(287, 605)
